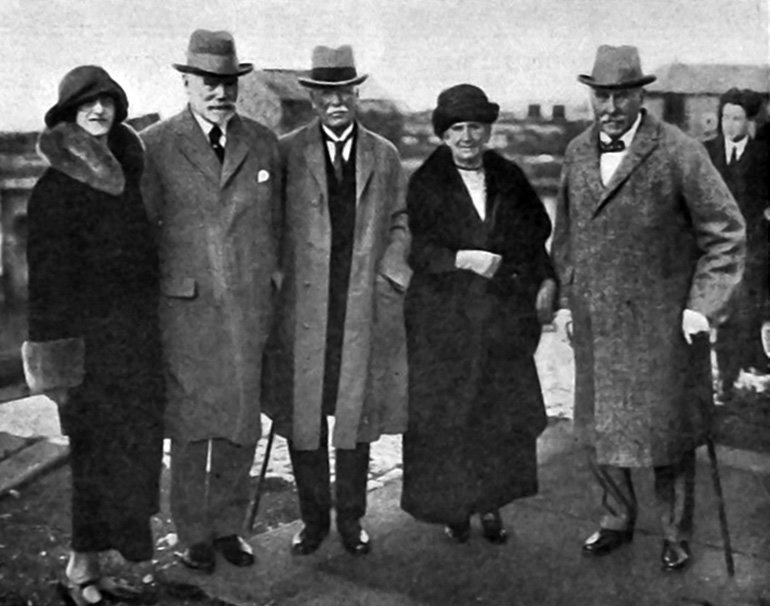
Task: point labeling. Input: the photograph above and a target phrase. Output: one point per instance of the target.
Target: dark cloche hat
(212, 54)
(82, 84)
(463, 103)
(617, 68)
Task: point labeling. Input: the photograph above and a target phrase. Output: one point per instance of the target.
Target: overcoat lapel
(364, 162)
(315, 156)
(236, 150)
(645, 141)
(586, 164)
(193, 145)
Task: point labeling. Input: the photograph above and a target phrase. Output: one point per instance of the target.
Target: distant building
(534, 112)
(276, 98)
(688, 94)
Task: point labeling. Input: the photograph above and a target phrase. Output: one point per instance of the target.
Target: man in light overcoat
(340, 346)
(211, 187)
(649, 245)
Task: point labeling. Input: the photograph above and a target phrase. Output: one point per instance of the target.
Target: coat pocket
(179, 287)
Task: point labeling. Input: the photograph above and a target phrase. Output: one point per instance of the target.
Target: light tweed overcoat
(663, 235)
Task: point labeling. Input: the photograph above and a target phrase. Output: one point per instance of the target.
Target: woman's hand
(60, 395)
(544, 301)
(481, 262)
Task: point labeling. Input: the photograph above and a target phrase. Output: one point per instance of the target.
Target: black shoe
(605, 541)
(355, 540)
(492, 528)
(308, 540)
(200, 557)
(675, 555)
(459, 533)
(235, 550)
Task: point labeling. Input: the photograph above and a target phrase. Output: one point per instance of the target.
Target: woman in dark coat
(482, 285)
(93, 337)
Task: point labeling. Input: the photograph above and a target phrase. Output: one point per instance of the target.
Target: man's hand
(60, 395)
(481, 262)
(693, 323)
(544, 301)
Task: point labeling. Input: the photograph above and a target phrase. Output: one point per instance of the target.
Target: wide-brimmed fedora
(615, 68)
(332, 67)
(212, 54)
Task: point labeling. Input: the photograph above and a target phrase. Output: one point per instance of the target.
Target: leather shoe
(492, 528)
(200, 557)
(355, 540)
(675, 555)
(605, 541)
(308, 540)
(459, 533)
(235, 550)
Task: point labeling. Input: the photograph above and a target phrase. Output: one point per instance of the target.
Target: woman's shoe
(119, 590)
(492, 528)
(80, 594)
(459, 533)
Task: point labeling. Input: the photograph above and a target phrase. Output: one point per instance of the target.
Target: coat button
(307, 284)
(305, 325)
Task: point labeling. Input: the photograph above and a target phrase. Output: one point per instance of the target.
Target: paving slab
(28, 462)
(412, 563)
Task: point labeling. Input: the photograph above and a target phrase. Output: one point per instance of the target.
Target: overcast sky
(517, 50)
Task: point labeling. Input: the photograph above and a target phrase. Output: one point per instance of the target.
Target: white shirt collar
(627, 136)
(334, 137)
(206, 126)
(740, 147)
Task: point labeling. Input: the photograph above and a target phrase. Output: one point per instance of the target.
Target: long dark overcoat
(475, 405)
(748, 182)
(663, 235)
(93, 292)
(372, 384)
(218, 231)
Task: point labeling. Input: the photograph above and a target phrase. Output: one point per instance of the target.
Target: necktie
(215, 134)
(616, 145)
(734, 156)
(338, 160)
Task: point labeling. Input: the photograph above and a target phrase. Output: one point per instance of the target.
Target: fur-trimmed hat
(463, 103)
(85, 83)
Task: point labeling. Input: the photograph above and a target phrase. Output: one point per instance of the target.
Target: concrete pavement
(414, 564)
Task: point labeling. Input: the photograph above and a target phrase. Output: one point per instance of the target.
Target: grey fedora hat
(212, 54)
(332, 67)
(615, 68)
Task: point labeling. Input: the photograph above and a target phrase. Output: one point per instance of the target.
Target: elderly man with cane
(649, 245)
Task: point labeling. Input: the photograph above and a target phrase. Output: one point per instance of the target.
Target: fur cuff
(53, 364)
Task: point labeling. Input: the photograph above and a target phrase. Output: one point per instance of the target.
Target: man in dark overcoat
(211, 187)
(649, 245)
(340, 344)
(742, 162)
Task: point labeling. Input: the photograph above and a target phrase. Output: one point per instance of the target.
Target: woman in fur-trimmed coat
(93, 334)
(482, 284)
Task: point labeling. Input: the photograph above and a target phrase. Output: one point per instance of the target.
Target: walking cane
(701, 359)
(254, 505)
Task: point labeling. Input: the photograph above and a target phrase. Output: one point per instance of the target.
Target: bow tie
(616, 145)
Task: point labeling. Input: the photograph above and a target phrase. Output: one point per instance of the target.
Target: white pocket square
(262, 176)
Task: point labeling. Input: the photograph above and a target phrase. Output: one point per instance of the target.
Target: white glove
(562, 320)
(693, 322)
(481, 262)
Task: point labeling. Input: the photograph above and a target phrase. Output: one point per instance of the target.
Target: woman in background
(93, 334)
(482, 286)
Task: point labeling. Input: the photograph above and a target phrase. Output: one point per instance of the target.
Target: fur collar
(439, 170)
(72, 151)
